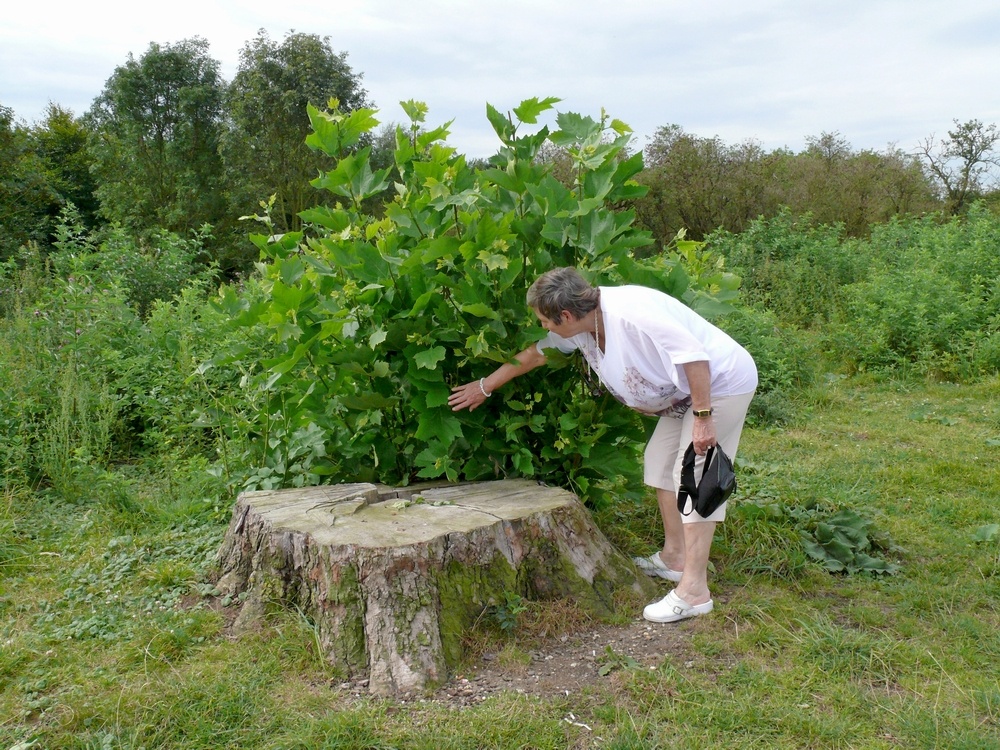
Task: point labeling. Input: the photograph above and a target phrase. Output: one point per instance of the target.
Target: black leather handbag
(718, 480)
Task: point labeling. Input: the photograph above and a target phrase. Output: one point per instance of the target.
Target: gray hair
(563, 289)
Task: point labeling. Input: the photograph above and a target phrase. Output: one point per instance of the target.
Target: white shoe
(672, 608)
(654, 566)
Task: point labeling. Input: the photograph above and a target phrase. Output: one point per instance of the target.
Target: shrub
(784, 361)
(84, 382)
(59, 352)
(156, 270)
(792, 267)
(146, 271)
(932, 308)
(373, 320)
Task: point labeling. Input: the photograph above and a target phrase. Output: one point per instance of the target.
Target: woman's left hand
(703, 434)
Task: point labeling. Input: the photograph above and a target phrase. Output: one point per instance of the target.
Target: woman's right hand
(467, 396)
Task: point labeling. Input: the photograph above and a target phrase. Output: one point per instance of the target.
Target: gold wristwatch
(702, 412)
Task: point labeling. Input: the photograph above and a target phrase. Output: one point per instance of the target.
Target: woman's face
(566, 327)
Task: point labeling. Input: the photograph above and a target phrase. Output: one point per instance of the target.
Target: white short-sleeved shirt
(648, 336)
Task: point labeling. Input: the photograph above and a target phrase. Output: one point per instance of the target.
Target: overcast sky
(877, 72)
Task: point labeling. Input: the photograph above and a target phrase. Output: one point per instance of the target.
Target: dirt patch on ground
(582, 654)
(563, 665)
(569, 664)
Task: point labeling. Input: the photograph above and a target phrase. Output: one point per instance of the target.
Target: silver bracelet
(482, 387)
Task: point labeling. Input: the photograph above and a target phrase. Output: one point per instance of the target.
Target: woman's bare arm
(470, 395)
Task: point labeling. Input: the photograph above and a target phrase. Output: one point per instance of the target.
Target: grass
(107, 639)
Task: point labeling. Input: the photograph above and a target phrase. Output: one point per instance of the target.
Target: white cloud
(775, 71)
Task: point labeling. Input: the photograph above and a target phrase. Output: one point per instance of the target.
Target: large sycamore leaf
(439, 423)
(528, 110)
(429, 358)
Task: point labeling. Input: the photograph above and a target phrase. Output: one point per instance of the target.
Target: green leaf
(671, 279)
(377, 337)
(709, 307)
(867, 564)
(574, 128)
(335, 132)
(336, 220)
(429, 358)
(620, 127)
(437, 395)
(817, 552)
(500, 123)
(286, 297)
(368, 401)
(492, 261)
(988, 533)
(353, 178)
(438, 423)
(291, 269)
(416, 111)
(529, 110)
(427, 138)
(480, 310)
(524, 462)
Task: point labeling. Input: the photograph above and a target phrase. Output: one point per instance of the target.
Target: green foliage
(43, 169)
(507, 613)
(793, 267)
(373, 320)
(987, 534)
(86, 382)
(928, 303)
(115, 636)
(146, 271)
(263, 145)
(101, 596)
(61, 142)
(26, 195)
(155, 140)
(14, 537)
(59, 351)
(703, 184)
(842, 542)
(916, 297)
(611, 661)
(785, 362)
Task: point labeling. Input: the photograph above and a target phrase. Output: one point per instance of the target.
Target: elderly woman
(659, 357)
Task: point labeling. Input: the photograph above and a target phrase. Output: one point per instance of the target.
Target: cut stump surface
(393, 579)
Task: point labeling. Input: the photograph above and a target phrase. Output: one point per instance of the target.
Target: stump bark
(392, 579)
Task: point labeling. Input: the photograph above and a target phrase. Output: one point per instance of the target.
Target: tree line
(703, 184)
(170, 146)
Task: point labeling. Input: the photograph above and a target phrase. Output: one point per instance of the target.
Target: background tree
(703, 184)
(61, 141)
(156, 136)
(700, 184)
(908, 189)
(25, 192)
(962, 162)
(835, 184)
(264, 145)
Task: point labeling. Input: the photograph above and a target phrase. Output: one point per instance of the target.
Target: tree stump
(392, 579)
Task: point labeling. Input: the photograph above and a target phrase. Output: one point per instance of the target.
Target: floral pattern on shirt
(640, 394)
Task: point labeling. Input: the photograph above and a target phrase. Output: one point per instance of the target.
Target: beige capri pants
(665, 449)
